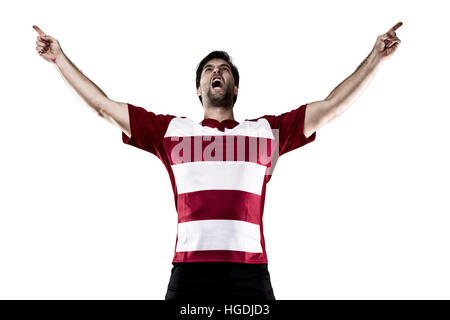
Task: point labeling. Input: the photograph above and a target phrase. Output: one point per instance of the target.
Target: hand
(47, 47)
(387, 43)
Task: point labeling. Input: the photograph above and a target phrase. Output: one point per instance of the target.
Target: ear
(198, 92)
(236, 89)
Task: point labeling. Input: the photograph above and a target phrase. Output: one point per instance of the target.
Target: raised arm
(115, 112)
(319, 113)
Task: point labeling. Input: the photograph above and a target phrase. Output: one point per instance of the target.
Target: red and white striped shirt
(219, 172)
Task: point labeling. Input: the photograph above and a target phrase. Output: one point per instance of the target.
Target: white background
(360, 213)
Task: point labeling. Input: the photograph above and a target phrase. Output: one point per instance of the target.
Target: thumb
(45, 37)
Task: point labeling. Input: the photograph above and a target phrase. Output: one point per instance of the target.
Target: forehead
(216, 62)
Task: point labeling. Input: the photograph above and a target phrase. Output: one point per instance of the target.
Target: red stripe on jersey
(219, 204)
(220, 255)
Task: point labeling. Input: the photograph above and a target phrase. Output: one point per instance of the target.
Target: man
(217, 167)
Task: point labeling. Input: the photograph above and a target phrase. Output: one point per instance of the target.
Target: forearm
(350, 89)
(84, 87)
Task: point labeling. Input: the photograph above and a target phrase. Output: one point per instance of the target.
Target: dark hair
(219, 55)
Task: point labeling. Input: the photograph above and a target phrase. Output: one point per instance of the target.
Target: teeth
(216, 82)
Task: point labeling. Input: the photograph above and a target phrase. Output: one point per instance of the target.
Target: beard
(220, 99)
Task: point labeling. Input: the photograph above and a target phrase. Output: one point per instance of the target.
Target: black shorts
(219, 281)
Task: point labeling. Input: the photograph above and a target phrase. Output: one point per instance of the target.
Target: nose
(216, 70)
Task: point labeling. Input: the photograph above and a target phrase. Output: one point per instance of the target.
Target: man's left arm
(319, 113)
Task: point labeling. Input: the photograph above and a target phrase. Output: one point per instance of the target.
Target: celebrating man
(219, 167)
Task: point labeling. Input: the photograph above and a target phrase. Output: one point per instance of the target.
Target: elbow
(100, 112)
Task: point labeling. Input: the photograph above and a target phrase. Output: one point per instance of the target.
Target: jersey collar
(221, 125)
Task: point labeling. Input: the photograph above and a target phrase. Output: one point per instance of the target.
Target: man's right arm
(113, 111)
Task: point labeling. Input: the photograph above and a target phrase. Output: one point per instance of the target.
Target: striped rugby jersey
(219, 172)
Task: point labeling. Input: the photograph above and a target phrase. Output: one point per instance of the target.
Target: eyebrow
(210, 65)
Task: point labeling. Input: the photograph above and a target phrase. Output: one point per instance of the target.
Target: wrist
(60, 59)
(374, 58)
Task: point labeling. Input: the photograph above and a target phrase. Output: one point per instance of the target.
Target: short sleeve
(147, 129)
(290, 127)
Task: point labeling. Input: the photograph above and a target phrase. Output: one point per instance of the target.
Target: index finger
(41, 33)
(398, 25)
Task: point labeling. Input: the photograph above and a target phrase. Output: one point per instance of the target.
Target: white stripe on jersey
(219, 175)
(219, 235)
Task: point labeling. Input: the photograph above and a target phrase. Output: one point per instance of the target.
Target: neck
(218, 113)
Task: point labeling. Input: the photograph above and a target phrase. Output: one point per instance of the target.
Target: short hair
(219, 55)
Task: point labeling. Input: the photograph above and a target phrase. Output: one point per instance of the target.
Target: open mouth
(216, 83)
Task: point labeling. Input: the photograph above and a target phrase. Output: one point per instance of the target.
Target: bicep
(317, 114)
(117, 114)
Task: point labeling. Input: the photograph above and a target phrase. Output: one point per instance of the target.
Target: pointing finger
(42, 36)
(398, 25)
(41, 33)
